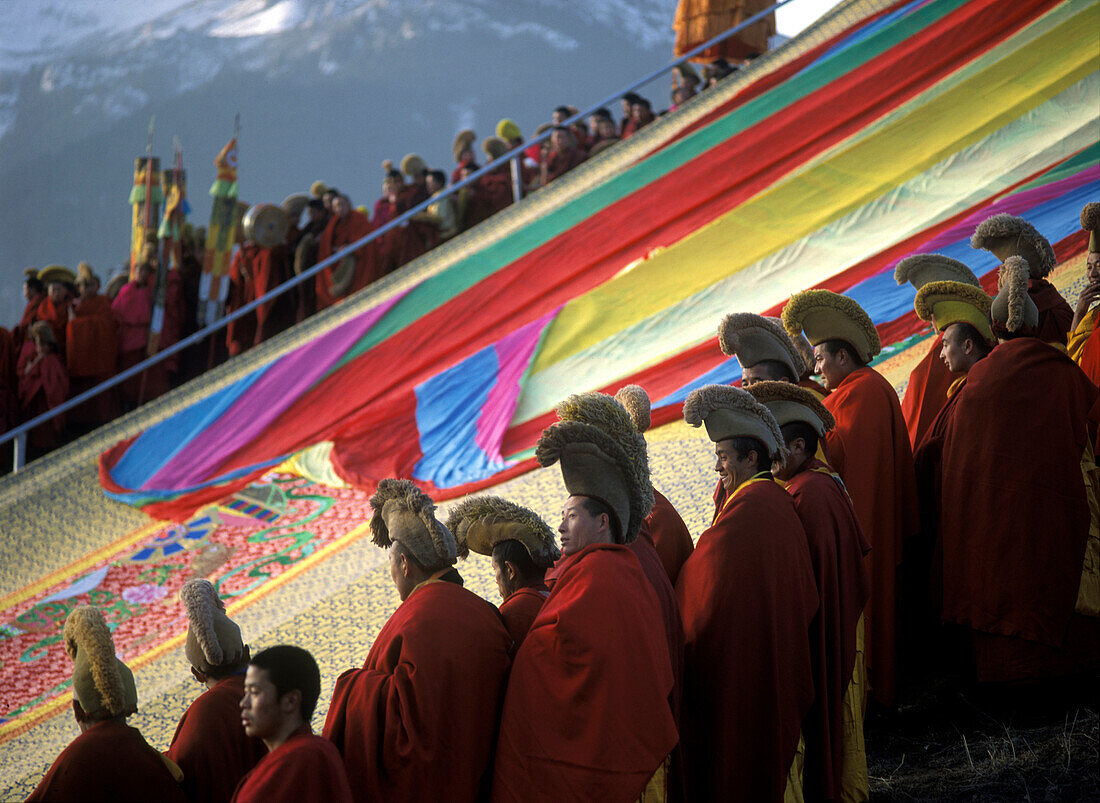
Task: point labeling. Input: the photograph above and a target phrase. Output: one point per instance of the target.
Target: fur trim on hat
(387, 165)
(800, 303)
(84, 273)
(703, 401)
(974, 296)
(416, 501)
(412, 165)
(476, 508)
(57, 273)
(1090, 216)
(1013, 279)
(200, 601)
(86, 631)
(769, 391)
(557, 436)
(318, 188)
(463, 140)
(30, 273)
(508, 130)
(543, 128)
(729, 336)
(635, 401)
(945, 268)
(801, 344)
(494, 147)
(1005, 226)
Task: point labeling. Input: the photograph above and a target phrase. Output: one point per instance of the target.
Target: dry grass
(953, 746)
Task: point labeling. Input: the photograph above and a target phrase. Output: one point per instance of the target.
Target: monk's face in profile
(58, 293)
(1092, 268)
(579, 528)
(833, 367)
(340, 206)
(957, 352)
(732, 468)
(402, 571)
(262, 710)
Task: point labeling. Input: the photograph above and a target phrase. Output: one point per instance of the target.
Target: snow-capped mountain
(325, 90)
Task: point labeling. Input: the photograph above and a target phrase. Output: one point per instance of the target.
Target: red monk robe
(747, 596)
(520, 610)
(210, 745)
(57, 316)
(1015, 513)
(417, 237)
(837, 551)
(669, 534)
(256, 271)
(586, 716)
(492, 193)
(926, 392)
(655, 573)
(109, 761)
(133, 309)
(9, 401)
(303, 769)
(558, 163)
(417, 721)
(43, 385)
(869, 448)
(338, 233)
(1055, 313)
(30, 315)
(91, 356)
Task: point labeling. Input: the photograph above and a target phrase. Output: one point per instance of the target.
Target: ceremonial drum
(266, 225)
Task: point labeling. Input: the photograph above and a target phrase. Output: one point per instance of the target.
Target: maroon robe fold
(91, 357)
(1014, 513)
(586, 716)
(926, 393)
(558, 163)
(109, 761)
(41, 389)
(520, 610)
(303, 769)
(747, 596)
(418, 721)
(669, 534)
(869, 448)
(210, 744)
(1055, 313)
(837, 549)
(341, 232)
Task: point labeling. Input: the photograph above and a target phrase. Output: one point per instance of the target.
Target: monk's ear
(291, 702)
(78, 711)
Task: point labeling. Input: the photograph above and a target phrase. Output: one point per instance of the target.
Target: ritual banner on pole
(220, 236)
(176, 209)
(145, 198)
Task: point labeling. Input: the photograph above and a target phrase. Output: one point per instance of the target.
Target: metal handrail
(19, 434)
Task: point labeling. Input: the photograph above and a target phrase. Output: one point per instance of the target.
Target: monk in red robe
(34, 293)
(417, 237)
(522, 548)
(836, 761)
(564, 155)
(747, 590)
(55, 310)
(209, 744)
(43, 385)
(92, 351)
(663, 526)
(1030, 610)
(869, 448)
(281, 689)
(9, 401)
(1005, 236)
(338, 281)
(255, 271)
(109, 760)
(587, 714)
(416, 722)
(493, 191)
(926, 392)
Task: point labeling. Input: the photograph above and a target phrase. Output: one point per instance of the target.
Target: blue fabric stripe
(166, 439)
(140, 498)
(448, 407)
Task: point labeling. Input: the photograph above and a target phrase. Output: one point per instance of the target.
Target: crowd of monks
(625, 662)
(75, 332)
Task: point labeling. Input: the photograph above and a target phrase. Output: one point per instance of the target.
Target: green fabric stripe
(1085, 159)
(439, 289)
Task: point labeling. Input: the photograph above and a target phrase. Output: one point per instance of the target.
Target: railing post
(20, 451)
(517, 180)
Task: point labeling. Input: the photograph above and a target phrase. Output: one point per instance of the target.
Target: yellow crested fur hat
(1090, 222)
(635, 401)
(463, 140)
(944, 303)
(824, 315)
(920, 269)
(402, 512)
(790, 403)
(494, 147)
(213, 639)
(508, 130)
(1012, 308)
(729, 412)
(754, 339)
(412, 165)
(1006, 236)
(102, 684)
(480, 523)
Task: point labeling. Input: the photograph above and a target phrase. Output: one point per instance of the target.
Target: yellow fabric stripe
(852, 177)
